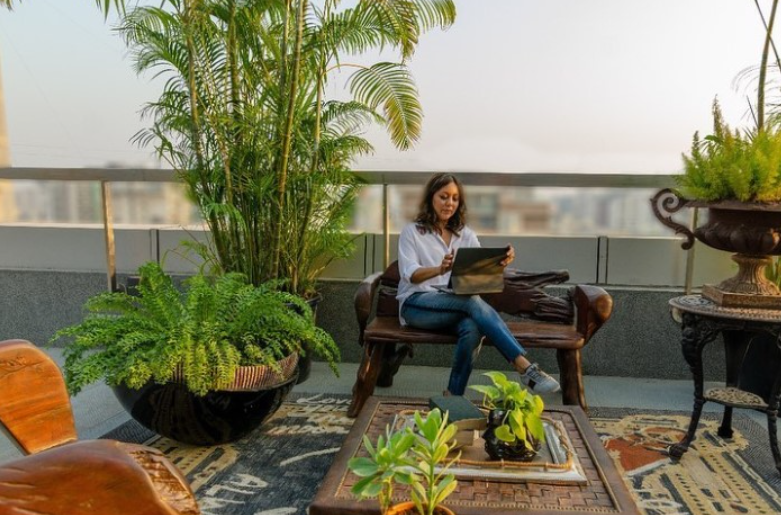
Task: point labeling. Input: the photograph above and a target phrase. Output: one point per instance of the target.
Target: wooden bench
(564, 324)
(63, 476)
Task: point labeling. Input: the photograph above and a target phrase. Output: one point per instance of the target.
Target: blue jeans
(470, 318)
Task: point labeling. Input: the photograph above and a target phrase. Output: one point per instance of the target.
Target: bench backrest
(523, 295)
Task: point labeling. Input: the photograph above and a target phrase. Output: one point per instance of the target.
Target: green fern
(729, 165)
(214, 326)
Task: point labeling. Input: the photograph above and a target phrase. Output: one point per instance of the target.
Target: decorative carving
(665, 204)
(750, 279)
(701, 321)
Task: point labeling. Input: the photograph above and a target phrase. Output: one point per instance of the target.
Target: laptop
(476, 270)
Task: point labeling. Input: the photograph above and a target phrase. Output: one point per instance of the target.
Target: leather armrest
(594, 306)
(103, 477)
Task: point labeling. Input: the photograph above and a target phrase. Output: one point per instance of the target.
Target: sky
(592, 86)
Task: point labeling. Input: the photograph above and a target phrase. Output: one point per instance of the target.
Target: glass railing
(601, 226)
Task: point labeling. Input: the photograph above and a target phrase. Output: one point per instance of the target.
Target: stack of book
(464, 414)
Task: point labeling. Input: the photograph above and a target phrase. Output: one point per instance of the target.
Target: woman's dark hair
(427, 217)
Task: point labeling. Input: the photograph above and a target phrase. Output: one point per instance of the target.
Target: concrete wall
(46, 274)
(640, 340)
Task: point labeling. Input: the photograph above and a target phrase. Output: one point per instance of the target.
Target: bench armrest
(594, 306)
(363, 301)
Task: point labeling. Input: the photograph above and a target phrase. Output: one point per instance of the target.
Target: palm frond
(391, 86)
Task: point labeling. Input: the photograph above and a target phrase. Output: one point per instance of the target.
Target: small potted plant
(388, 463)
(418, 458)
(515, 431)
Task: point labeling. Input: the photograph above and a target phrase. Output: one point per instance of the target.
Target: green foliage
(244, 118)
(523, 418)
(409, 457)
(214, 326)
(435, 440)
(388, 463)
(728, 165)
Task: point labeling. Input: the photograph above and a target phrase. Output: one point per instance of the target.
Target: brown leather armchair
(61, 476)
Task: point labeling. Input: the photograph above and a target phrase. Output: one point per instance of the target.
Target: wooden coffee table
(604, 493)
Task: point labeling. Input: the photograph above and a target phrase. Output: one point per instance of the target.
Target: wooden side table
(701, 321)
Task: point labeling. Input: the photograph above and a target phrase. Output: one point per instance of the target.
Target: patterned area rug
(277, 469)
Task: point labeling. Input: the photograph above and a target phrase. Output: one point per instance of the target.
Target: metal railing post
(602, 259)
(108, 231)
(687, 288)
(385, 226)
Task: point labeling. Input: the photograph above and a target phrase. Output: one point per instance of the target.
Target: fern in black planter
(201, 335)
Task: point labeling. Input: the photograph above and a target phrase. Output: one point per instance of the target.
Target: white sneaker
(538, 381)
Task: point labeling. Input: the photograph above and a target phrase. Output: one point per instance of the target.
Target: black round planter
(500, 450)
(171, 410)
(305, 360)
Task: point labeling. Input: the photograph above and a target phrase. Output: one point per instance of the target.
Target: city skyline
(515, 86)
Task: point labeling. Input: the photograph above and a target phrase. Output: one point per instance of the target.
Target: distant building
(151, 203)
(81, 202)
(492, 209)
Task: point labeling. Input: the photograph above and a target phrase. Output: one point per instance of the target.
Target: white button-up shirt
(418, 250)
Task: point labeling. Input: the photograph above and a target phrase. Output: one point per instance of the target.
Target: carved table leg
(772, 415)
(736, 344)
(725, 429)
(773, 433)
(696, 333)
(366, 379)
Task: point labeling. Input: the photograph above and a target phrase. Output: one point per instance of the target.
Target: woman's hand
(429, 272)
(447, 264)
(510, 256)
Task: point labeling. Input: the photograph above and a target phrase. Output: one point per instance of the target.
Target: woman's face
(445, 202)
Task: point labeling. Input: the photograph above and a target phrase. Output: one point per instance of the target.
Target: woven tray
(556, 462)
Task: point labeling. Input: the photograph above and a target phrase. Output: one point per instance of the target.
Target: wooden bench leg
(366, 379)
(391, 362)
(571, 378)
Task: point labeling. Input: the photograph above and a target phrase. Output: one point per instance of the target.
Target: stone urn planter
(220, 416)
(752, 231)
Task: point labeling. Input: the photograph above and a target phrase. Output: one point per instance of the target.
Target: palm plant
(244, 117)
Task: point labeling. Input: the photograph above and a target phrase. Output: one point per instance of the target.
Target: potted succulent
(515, 429)
(416, 456)
(202, 366)
(736, 176)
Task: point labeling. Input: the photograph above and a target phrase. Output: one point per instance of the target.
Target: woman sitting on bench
(426, 250)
